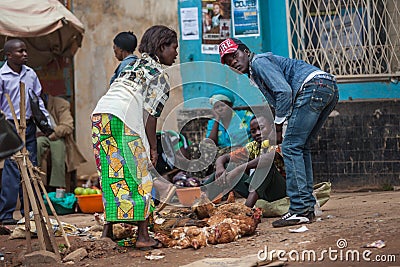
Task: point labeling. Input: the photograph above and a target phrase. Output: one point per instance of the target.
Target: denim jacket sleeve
(270, 75)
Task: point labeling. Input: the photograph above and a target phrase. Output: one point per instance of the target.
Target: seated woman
(229, 128)
(264, 183)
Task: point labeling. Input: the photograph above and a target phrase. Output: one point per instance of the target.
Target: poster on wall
(216, 24)
(245, 18)
(189, 23)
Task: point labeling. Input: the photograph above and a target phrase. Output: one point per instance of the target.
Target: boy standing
(12, 73)
(302, 95)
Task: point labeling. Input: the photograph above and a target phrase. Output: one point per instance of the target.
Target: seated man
(63, 149)
(269, 186)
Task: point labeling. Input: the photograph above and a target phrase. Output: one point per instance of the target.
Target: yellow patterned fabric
(122, 163)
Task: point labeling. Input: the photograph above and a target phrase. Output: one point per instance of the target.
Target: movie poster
(216, 24)
(245, 19)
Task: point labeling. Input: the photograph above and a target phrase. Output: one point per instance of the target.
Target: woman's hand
(153, 157)
(216, 115)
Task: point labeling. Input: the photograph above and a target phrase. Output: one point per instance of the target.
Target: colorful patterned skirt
(122, 162)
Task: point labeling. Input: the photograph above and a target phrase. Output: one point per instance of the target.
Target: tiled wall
(360, 145)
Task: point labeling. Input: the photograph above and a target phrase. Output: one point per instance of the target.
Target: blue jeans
(311, 108)
(11, 178)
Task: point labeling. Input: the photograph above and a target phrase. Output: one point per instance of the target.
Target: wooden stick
(13, 112)
(27, 218)
(32, 200)
(164, 202)
(50, 233)
(54, 213)
(46, 241)
(22, 111)
(40, 227)
(22, 132)
(24, 193)
(24, 173)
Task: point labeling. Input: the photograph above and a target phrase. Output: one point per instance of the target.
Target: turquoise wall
(203, 73)
(370, 90)
(200, 78)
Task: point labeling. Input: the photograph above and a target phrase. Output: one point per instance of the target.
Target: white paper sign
(189, 23)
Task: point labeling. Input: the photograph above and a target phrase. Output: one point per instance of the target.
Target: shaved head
(11, 44)
(16, 54)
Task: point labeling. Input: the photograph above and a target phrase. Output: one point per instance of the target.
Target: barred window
(352, 39)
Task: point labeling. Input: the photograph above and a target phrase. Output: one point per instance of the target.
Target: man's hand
(219, 172)
(220, 165)
(221, 179)
(53, 136)
(279, 137)
(39, 134)
(227, 178)
(279, 128)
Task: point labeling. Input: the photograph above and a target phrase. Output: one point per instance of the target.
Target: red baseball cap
(228, 46)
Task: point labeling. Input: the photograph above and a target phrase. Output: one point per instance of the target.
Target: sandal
(158, 244)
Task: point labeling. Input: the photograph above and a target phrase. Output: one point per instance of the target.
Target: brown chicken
(168, 223)
(211, 235)
(183, 243)
(229, 211)
(203, 207)
(190, 236)
(227, 223)
(166, 240)
(197, 237)
(243, 220)
(226, 232)
(231, 197)
(248, 225)
(235, 208)
(177, 239)
(218, 218)
(123, 230)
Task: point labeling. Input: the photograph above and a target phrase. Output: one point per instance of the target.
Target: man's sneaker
(292, 219)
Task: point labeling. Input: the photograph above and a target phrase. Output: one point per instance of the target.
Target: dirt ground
(349, 222)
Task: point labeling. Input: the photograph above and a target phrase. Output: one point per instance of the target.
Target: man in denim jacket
(302, 95)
